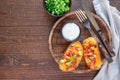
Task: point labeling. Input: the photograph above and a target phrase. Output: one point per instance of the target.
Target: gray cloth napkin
(112, 18)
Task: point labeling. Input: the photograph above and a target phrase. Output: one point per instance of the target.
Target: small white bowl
(70, 31)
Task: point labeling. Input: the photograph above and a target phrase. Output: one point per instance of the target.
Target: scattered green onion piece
(74, 56)
(69, 63)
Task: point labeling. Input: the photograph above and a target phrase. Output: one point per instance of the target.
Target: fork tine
(77, 14)
(82, 19)
(83, 14)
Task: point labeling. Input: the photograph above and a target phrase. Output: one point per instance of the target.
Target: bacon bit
(89, 50)
(92, 62)
(67, 57)
(92, 58)
(87, 47)
(78, 55)
(92, 51)
(88, 55)
(70, 53)
(73, 64)
(65, 54)
(91, 43)
(77, 48)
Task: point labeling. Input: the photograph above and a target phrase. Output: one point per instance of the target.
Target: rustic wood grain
(24, 31)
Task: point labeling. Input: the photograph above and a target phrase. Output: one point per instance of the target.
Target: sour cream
(70, 31)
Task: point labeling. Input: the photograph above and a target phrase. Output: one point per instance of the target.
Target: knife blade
(97, 28)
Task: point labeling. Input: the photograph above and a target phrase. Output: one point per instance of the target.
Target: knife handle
(104, 52)
(103, 40)
(112, 52)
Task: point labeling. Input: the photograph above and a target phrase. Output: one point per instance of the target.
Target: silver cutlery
(97, 29)
(83, 19)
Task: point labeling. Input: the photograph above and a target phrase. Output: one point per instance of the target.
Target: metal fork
(83, 19)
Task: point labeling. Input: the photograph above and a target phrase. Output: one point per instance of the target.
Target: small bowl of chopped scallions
(57, 8)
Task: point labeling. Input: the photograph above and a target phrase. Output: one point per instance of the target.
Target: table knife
(95, 25)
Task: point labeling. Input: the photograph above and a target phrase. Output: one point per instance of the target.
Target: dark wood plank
(33, 66)
(24, 31)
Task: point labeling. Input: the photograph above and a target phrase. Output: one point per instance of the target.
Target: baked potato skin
(72, 57)
(92, 53)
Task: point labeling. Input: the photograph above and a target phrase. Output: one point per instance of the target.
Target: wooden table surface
(24, 31)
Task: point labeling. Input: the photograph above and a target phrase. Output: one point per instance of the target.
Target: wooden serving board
(57, 44)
